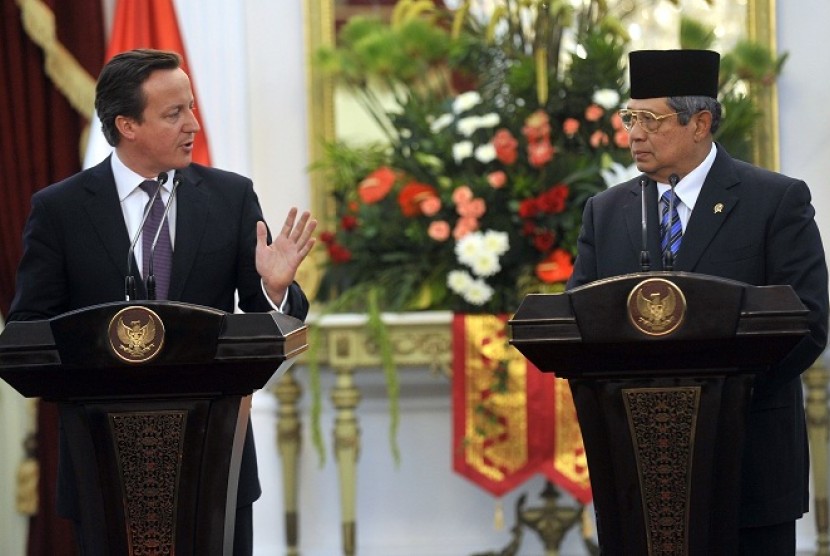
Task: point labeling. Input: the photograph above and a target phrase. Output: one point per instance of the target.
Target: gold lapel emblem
(656, 307)
(136, 334)
(718, 208)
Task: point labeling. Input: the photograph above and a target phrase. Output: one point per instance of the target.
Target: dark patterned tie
(671, 231)
(163, 255)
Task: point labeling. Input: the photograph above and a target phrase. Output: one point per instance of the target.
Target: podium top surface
(148, 347)
(659, 321)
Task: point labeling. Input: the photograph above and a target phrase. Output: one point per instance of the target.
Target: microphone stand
(645, 261)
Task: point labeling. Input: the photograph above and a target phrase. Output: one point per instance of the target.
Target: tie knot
(149, 187)
(667, 196)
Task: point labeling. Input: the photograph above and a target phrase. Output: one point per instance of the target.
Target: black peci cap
(673, 73)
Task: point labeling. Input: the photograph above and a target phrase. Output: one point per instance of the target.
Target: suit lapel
(192, 208)
(714, 204)
(104, 211)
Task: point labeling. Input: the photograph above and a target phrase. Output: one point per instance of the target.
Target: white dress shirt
(688, 189)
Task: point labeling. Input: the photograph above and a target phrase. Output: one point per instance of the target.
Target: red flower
(598, 139)
(621, 138)
(537, 127)
(528, 208)
(411, 197)
(348, 222)
(570, 126)
(376, 185)
(506, 146)
(553, 200)
(339, 254)
(540, 153)
(555, 268)
(327, 237)
(594, 112)
(543, 240)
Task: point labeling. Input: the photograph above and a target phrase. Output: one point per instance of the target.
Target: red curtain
(40, 135)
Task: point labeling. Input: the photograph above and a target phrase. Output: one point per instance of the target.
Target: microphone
(645, 263)
(151, 279)
(668, 256)
(129, 281)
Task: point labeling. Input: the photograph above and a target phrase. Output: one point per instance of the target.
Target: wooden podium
(661, 367)
(154, 401)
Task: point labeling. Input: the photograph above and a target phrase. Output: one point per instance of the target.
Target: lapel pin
(718, 208)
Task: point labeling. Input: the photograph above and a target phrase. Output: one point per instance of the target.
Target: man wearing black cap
(732, 220)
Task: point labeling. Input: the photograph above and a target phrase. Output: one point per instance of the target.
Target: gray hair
(691, 105)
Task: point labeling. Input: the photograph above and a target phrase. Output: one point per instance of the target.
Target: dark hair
(690, 105)
(118, 92)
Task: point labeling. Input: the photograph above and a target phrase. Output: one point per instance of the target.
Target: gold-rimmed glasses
(647, 119)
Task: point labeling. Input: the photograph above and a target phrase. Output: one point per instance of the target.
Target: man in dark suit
(735, 221)
(78, 236)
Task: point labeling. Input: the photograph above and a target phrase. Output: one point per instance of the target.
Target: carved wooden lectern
(154, 399)
(661, 368)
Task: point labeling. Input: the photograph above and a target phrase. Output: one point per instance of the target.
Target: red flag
(152, 24)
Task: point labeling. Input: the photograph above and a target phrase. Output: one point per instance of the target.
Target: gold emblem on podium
(136, 334)
(656, 307)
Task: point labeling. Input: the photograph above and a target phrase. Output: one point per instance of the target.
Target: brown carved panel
(662, 422)
(148, 447)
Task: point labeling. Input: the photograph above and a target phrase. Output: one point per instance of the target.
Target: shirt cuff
(278, 308)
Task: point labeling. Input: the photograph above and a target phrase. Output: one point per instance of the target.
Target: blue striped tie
(670, 235)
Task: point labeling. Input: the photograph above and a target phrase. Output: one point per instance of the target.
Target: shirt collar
(688, 189)
(126, 181)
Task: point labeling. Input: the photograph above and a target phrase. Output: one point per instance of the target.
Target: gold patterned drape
(510, 421)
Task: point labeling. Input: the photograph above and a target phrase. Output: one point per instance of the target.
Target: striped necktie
(163, 255)
(671, 231)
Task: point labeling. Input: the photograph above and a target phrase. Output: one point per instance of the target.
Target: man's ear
(126, 127)
(703, 124)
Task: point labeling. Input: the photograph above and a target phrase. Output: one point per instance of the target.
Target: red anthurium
(376, 185)
(558, 267)
(411, 197)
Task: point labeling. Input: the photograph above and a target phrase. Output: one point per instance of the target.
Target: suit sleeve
(585, 266)
(795, 256)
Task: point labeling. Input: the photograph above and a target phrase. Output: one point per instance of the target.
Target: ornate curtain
(50, 52)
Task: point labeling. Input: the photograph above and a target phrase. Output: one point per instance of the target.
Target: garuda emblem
(656, 307)
(136, 334)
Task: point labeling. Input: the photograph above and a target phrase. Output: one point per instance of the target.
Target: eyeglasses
(648, 120)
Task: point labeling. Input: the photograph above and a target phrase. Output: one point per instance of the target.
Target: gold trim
(68, 75)
(319, 32)
(761, 28)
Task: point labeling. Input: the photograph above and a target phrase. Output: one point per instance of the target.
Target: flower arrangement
(497, 128)
(496, 139)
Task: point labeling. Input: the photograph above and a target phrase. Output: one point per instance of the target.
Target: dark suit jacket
(75, 255)
(764, 234)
